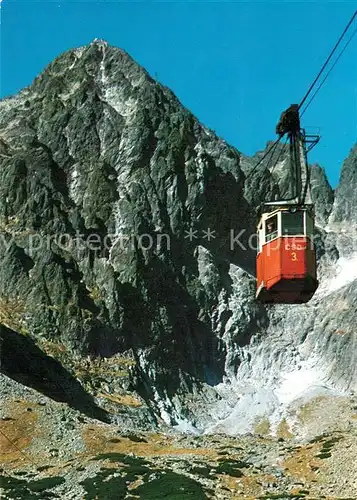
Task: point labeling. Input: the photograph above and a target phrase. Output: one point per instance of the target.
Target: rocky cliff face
(126, 237)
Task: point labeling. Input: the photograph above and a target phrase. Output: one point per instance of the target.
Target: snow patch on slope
(345, 273)
(296, 382)
(75, 188)
(115, 94)
(123, 105)
(258, 399)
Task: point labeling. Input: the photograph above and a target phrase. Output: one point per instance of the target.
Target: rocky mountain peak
(126, 236)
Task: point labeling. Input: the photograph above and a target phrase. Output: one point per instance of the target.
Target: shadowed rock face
(322, 195)
(104, 175)
(24, 362)
(345, 208)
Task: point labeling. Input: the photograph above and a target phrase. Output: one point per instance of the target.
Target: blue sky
(235, 65)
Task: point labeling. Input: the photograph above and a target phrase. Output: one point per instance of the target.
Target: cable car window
(309, 225)
(271, 228)
(292, 223)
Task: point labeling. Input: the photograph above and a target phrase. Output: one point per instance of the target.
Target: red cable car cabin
(286, 264)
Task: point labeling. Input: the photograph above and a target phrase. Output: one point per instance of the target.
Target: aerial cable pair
(310, 89)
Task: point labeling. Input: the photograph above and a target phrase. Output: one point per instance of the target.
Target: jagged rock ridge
(98, 152)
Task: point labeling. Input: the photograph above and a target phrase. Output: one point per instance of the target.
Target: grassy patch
(283, 430)
(122, 399)
(133, 471)
(171, 486)
(231, 467)
(42, 485)
(13, 313)
(19, 489)
(116, 366)
(262, 427)
(237, 463)
(20, 430)
(330, 443)
(282, 495)
(323, 455)
(203, 470)
(44, 467)
(112, 483)
(113, 457)
(95, 293)
(105, 486)
(318, 438)
(327, 447)
(122, 458)
(135, 439)
(53, 348)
